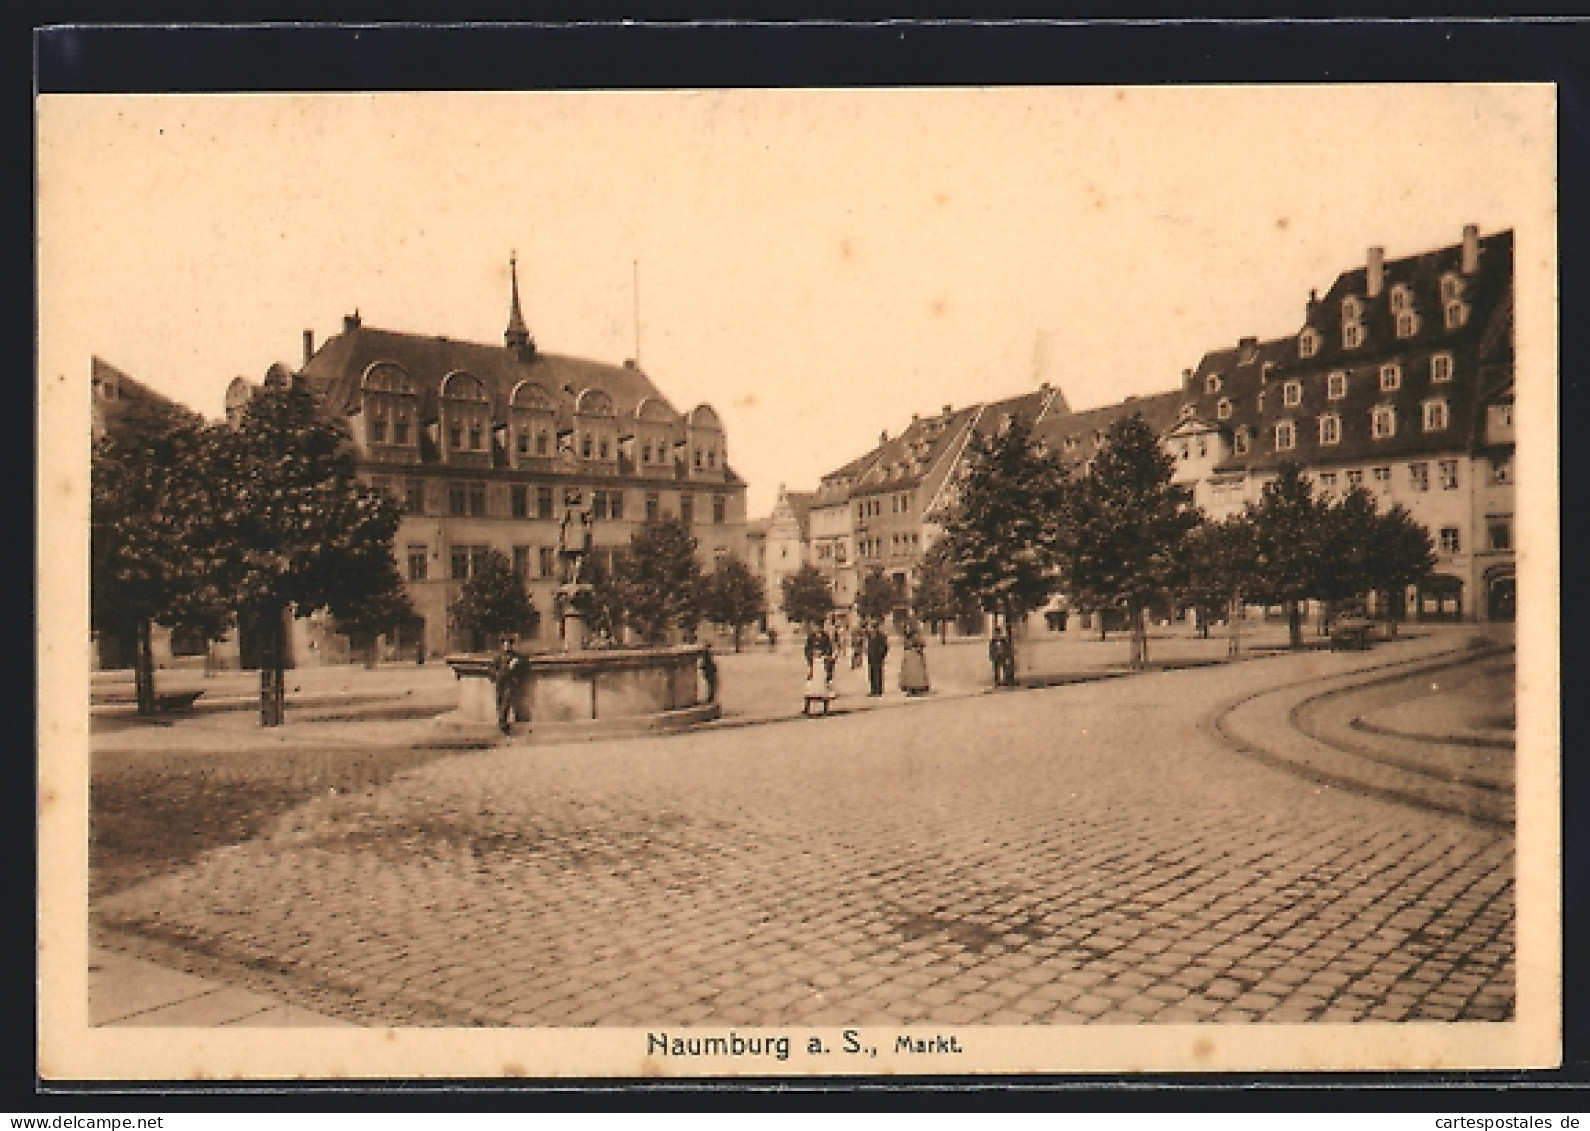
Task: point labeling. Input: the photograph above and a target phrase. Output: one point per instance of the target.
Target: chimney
(350, 322)
(1312, 308)
(948, 411)
(1186, 377)
(883, 437)
(1247, 349)
(309, 345)
(1375, 273)
(1471, 248)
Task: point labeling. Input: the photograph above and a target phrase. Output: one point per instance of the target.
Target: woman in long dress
(913, 668)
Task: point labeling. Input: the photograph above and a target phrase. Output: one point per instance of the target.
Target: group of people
(869, 644)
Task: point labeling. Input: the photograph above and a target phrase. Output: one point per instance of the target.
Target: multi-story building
(1399, 381)
(491, 447)
(784, 546)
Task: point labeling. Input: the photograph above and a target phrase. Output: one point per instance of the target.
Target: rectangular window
(1285, 436)
(418, 563)
(378, 429)
(1407, 324)
(455, 437)
(414, 496)
(653, 506)
(1292, 393)
(381, 484)
(547, 560)
(1449, 474)
(602, 448)
(1450, 543)
(1336, 385)
(1390, 377)
(456, 499)
(1501, 470)
(474, 437)
(615, 505)
(1383, 423)
(460, 563)
(720, 510)
(543, 443)
(477, 499)
(1352, 335)
(1330, 429)
(1457, 314)
(1239, 441)
(599, 505)
(1212, 383)
(1441, 368)
(1499, 531)
(687, 509)
(400, 430)
(1355, 478)
(522, 441)
(1419, 476)
(520, 495)
(1327, 481)
(1434, 416)
(1223, 409)
(1382, 475)
(521, 562)
(543, 502)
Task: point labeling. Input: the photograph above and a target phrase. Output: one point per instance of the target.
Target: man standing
(877, 649)
(506, 668)
(998, 649)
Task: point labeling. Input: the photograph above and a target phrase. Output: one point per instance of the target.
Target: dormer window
(1390, 377)
(1285, 436)
(1330, 429)
(1212, 383)
(1441, 368)
(1352, 336)
(1292, 393)
(1407, 324)
(1352, 309)
(1336, 385)
(1383, 422)
(400, 430)
(1457, 315)
(1308, 343)
(1239, 441)
(378, 426)
(1401, 298)
(1435, 415)
(1223, 409)
(1451, 288)
(522, 441)
(1264, 372)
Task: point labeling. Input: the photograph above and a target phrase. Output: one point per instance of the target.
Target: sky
(817, 264)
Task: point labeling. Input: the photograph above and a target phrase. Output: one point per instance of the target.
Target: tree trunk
(736, 638)
(272, 680)
(144, 669)
(1010, 638)
(1139, 652)
(1294, 624)
(1234, 643)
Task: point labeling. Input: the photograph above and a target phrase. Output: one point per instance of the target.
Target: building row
(1399, 380)
(492, 447)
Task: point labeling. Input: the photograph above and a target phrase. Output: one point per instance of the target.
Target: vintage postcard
(798, 582)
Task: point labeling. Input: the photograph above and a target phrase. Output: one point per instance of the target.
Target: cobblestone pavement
(1081, 854)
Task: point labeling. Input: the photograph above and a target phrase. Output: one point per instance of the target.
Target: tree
(148, 543)
(1002, 533)
(1345, 540)
(934, 599)
(1217, 569)
(492, 602)
(1288, 525)
(734, 596)
(1400, 553)
(878, 595)
(607, 600)
(662, 581)
(297, 532)
(1128, 525)
(807, 597)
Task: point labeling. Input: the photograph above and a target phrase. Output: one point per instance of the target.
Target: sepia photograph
(724, 582)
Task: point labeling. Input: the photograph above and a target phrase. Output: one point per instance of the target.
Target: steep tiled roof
(117, 396)
(336, 370)
(1480, 349)
(1075, 436)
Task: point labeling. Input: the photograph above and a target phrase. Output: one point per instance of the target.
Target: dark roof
(1088, 427)
(336, 370)
(800, 504)
(118, 397)
(1481, 352)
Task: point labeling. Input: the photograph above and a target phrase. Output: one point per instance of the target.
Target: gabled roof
(117, 397)
(1086, 429)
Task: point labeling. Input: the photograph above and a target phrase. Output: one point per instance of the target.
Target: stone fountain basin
(565, 696)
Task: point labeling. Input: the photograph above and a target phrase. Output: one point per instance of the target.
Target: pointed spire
(517, 336)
